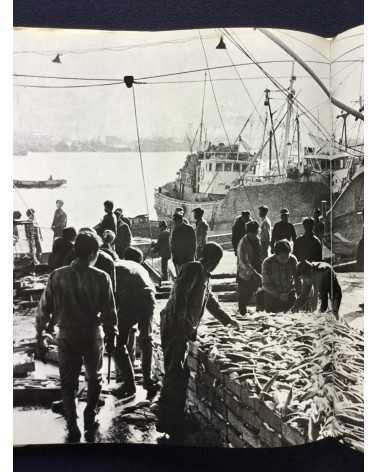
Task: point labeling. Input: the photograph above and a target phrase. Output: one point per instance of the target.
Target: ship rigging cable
(212, 88)
(309, 115)
(245, 87)
(141, 162)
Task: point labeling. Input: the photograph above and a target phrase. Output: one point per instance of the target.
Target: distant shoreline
(29, 153)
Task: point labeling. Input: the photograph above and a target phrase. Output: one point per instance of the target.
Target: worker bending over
(135, 303)
(319, 280)
(178, 325)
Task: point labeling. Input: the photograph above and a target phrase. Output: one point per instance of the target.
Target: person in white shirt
(265, 231)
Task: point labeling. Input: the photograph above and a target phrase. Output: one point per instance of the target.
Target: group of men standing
(184, 243)
(284, 272)
(100, 292)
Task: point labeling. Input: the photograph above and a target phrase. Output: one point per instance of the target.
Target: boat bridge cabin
(219, 166)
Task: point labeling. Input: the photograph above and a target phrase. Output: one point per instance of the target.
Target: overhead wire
(67, 86)
(245, 87)
(141, 161)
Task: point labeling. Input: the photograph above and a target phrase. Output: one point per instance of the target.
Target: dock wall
(219, 402)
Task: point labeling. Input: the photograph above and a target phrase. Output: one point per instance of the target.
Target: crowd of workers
(98, 292)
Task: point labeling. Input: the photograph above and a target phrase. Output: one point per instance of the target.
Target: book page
(346, 219)
(178, 162)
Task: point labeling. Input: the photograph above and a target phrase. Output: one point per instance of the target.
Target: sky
(172, 110)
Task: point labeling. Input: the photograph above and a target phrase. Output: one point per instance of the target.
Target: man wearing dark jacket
(163, 249)
(249, 265)
(319, 226)
(124, 236)
(238, 228)
(178, 325)
(283, 229)
(183, 242)
(59, 220)
(63, 249)
(308, 247)
(109, 221)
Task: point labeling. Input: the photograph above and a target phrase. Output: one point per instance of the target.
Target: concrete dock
(116, 425)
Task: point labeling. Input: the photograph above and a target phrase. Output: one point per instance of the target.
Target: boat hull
(300, 197)
(346, 219)
(39, 183)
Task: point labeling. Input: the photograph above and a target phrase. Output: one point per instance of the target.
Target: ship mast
(357, 114)
(202, 113)
(290, 97)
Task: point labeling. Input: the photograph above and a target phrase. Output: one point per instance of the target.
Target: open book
(234, 125)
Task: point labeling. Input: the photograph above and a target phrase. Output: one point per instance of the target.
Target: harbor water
(92, 178)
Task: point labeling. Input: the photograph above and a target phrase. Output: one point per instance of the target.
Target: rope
(59, 77)
(120, 48)
(141, 162)
(215, 97)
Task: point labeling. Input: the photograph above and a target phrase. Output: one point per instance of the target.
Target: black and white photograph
(188, 237)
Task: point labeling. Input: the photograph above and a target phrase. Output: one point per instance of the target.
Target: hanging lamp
(56, 59)
(221, 44)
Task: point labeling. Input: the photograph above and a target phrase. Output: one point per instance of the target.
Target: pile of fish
(307, 367)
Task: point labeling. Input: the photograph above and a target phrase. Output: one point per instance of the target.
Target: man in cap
(79, 299)
(319, 226)
(201, 231)
(183, 242)
(280, 281)
(307, 247)
(248, 265)
(178, 325)
(59, 220)
(319, 281)
(283, 229)
(124, 236)
(265, 231)
(238, 228)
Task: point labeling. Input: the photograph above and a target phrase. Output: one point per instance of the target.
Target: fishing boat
(346, 216)
(49, 183)
(225, 179)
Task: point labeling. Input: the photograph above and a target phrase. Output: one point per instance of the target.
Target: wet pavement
(118, 424)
